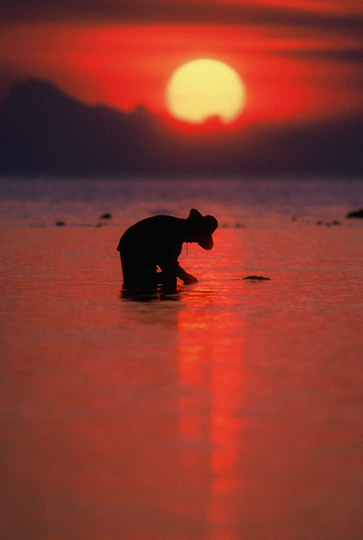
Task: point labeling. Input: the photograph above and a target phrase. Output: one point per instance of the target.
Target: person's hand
(160, 278)
(189, 279)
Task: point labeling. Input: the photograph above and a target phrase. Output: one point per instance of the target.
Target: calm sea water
(231, 411)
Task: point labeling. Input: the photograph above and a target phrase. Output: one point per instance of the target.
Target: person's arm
(171, 268)
(170, 271)
(167, 276)
(184, 276)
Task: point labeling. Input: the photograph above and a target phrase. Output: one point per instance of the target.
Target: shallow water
(230, 411)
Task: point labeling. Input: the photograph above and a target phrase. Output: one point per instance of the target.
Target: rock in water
(257, 278)
(355, 214)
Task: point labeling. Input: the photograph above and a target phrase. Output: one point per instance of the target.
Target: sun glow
(205, 88)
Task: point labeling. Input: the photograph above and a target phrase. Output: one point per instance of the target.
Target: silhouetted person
(156, 242)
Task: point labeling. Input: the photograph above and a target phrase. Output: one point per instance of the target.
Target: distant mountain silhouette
(44, 131)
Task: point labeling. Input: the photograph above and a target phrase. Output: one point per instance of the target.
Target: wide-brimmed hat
(203, 227)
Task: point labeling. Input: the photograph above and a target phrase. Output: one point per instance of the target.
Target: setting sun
(204, 88)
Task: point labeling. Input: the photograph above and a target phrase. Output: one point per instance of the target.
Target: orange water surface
(231, 411)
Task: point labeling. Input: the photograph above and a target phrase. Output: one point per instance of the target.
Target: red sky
(299, 59)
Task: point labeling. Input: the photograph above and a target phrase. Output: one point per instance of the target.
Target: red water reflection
(211, 375)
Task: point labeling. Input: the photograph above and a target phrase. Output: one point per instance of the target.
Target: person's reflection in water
(149, 296)
(156, 243)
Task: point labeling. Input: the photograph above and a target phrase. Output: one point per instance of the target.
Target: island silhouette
(43, 131)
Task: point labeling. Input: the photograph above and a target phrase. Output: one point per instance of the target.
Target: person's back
(157, 236)
(157, 242)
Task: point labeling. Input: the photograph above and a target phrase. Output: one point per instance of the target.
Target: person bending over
(156, 243)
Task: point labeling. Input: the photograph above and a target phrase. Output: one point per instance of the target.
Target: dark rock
(329, 223)
(355, 214)
(257, 278)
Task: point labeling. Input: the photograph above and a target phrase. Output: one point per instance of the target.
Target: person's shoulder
(168, 224)
(154, 225)
(164, 218)
(159, 218)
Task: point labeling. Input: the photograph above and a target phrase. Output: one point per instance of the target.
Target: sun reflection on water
(211, 373)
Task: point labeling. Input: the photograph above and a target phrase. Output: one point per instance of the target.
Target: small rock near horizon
(257, 278)
(355, 214)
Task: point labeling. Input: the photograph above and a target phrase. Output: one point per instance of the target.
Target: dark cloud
(350, 56)
(173, 11)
